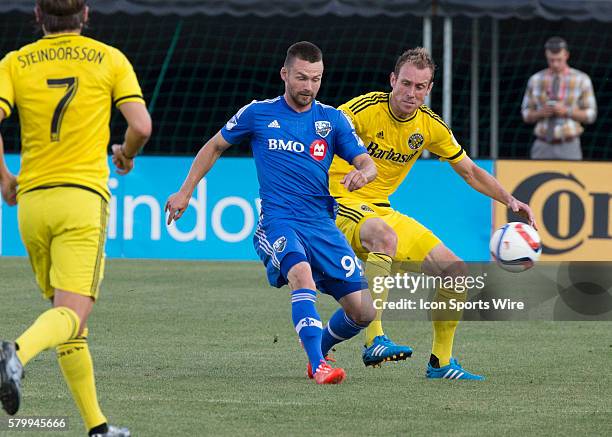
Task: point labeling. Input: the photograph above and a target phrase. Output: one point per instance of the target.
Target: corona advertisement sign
(571, 202)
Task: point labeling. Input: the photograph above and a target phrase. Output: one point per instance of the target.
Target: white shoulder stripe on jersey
(241, 110)
(275, 99)
(324, 105)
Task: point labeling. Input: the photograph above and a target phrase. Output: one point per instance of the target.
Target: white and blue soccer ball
(516, 246)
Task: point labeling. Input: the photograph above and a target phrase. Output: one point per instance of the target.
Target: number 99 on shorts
(350, 264)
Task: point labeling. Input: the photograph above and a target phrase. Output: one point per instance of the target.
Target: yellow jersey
(63, 86)
(393, 143)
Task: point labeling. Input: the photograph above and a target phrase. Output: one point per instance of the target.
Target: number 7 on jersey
(71, 84)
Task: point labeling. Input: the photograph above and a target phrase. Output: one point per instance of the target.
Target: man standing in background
(558, 100)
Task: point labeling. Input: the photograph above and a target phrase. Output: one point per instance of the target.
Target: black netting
(197, 71)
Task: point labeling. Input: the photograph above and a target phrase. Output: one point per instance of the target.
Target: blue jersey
(293, 152)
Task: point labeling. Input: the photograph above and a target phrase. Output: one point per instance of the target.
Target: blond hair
(419, 57)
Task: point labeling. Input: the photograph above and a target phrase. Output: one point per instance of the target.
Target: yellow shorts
(64, 231)
(415, 241)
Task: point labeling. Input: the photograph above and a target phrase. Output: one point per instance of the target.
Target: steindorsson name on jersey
(64, 86)
(70, 53)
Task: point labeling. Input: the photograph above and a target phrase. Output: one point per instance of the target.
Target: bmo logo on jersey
(291, 146)
(318, 149)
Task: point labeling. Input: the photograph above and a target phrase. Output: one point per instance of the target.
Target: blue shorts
(282, 243)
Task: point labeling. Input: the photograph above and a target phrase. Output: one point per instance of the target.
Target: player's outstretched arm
(364, 173)
(8, 182)
(209, 153)
(485, 183)
(137, 134)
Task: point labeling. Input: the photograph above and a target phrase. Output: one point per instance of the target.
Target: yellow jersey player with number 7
(396, 127)
(64, 86)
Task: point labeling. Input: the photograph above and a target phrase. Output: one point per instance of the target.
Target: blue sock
(339, 328)
(307, 323)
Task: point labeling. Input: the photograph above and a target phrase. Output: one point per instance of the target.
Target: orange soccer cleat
(326, 374)
(328, 358)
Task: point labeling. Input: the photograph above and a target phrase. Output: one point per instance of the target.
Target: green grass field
(188, 348)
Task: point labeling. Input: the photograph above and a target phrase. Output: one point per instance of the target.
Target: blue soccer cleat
(383, 349)
(452, 371)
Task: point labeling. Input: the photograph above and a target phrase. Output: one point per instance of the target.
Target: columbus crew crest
(323, 128)
(416, 141)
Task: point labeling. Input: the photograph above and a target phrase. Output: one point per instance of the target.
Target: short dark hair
(419, 57)
(555, 44)
(304, 50)
(61, 15)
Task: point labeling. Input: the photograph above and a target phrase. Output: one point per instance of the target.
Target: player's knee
(441, 261)
(456, 268)
(381, 238)
(368, 316)
(80, 304)
(300, 276)
(362, 315)
(388, 242)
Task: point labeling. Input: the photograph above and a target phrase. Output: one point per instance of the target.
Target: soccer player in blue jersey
(294, 139)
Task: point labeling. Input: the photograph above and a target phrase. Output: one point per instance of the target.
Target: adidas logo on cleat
(383, 350)
(275, 124)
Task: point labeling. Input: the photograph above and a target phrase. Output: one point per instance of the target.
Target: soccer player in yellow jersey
(396, 127)
(63, 86)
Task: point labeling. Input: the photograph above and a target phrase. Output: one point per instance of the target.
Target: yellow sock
(77, 366)
(445, 323)
(52, 327)
(378, 265)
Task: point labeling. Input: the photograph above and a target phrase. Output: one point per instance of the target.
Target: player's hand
(123, 163)
(523, 210)
(176, 206)
(8, 186)
(354, 180)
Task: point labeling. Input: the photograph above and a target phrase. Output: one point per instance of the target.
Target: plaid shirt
(575, 92)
